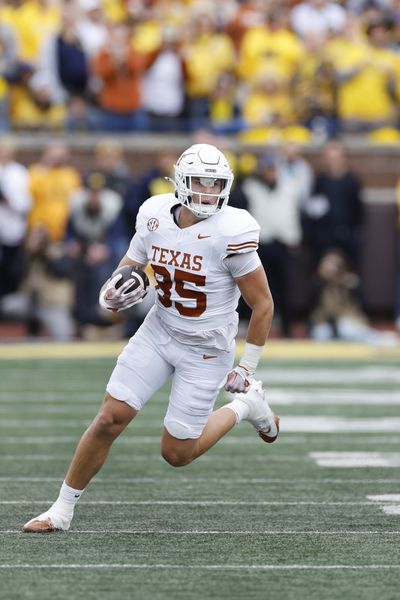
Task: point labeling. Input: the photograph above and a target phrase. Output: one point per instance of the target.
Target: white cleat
(47, 522)
(265, 421)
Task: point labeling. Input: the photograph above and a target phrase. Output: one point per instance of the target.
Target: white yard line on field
(211, 480)
(356, 459)
(327, 424)
(210, 532)
(353, 375)
(198, 503)
(385, 498)
(215, 567)
(154, 532)
(392, 509)
(312, 376)
(283, 396)
(289, 424)
(315, 397)
(384, 501)
(234, 440)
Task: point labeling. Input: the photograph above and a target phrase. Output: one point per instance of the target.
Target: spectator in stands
(224, 108)
(269, 46)
(334, 212)
(48, 287)
(293, 164)
(243, 166)
(366, 77)
(15, 202)
(91, 27)
(156, 180)
(116, 10)
(313, 89)
(52, 181)
(8, 63)
(119, 68)
(268, 103)
(109, 160)
(32, 22)
(274, 200)
(373, 11)
(202, 40)
(249, 14)
(92, 242)
(320, 17)
(62, 76)
(163, 86)
(358, 6)
(30, 109)
(147, 20)
(337, 311)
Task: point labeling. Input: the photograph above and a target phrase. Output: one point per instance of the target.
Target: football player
(204, 255)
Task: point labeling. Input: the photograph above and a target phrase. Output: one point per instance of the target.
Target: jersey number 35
(165, 283)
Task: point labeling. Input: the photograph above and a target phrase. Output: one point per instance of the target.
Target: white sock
(67, 499)
(240, 409)
(70, 494)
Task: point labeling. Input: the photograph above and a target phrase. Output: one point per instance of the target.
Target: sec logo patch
(152, 224)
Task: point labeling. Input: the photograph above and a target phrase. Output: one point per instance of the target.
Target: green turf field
(315, 516)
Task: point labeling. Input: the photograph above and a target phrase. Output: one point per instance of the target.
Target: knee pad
(121, 392)
(179, 430)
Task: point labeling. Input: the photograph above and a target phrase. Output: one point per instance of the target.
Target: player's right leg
(140, 371)
(89, 457)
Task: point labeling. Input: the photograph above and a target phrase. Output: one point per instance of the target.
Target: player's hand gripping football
(119, 298)
(238, 380)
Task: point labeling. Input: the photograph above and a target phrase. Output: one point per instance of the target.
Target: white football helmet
(207, 163)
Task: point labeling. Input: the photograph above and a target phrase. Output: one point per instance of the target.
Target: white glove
(238, 380)
(115, 299)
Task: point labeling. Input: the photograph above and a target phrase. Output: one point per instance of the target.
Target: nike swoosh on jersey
(207, 356)
(202, 237)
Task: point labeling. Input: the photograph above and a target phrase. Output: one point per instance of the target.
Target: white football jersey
(196, 294)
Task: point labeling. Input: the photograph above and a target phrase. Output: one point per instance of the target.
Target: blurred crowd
(63, 231)
(258, 69)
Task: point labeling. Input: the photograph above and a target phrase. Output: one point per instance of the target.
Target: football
(129, 272)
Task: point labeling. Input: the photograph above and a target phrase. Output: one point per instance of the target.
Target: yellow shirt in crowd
(25, 113)
(31, 23)
(114, 10)
(262, 49)
(364, 96)
(3, 88)
(147, 36)
(260, 109)
(206, 58)
(51, 189)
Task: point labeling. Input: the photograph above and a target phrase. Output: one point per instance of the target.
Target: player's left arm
(256, 293)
